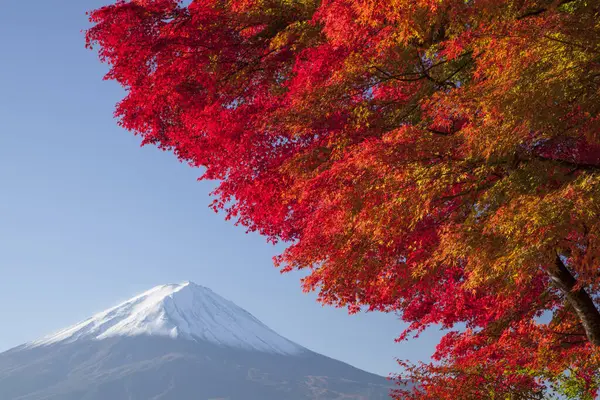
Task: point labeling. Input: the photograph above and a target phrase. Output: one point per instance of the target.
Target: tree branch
(581, 302)
(541, 10)
(572, 164)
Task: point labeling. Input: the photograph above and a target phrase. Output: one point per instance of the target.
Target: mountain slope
(187, 311)
(177, 342)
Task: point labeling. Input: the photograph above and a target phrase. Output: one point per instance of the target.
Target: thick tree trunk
(578, 299)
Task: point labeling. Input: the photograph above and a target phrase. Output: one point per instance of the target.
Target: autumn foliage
(438, 159)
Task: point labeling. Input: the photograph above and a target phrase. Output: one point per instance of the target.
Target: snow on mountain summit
(186, 311)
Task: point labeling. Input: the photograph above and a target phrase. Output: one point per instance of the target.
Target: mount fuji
(178, 342)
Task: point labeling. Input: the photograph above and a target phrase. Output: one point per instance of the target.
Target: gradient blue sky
(88, 218)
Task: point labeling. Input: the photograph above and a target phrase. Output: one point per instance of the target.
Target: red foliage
(438, 159)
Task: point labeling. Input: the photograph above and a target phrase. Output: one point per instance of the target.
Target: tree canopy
(435, 158)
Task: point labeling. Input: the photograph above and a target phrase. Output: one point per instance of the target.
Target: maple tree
(438, 159)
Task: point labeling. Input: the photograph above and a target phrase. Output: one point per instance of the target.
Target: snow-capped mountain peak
(186, 311)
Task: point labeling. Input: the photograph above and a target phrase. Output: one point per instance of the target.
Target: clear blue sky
(88, 218)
